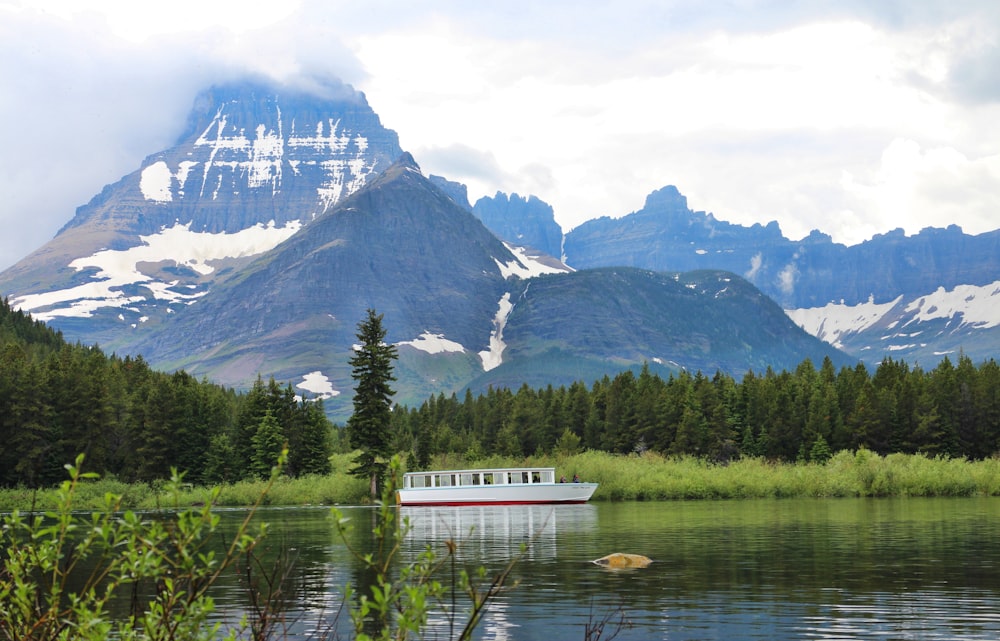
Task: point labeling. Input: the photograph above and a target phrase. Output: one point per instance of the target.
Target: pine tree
(309, 441)
(369, 425)
(267, 444)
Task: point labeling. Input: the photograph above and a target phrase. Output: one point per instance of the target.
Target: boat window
(548, 476)
(536, 477)
(524, 477)
(498, 478)
(466, 479)
(487, 478)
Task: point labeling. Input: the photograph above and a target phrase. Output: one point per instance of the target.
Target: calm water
(784, 569)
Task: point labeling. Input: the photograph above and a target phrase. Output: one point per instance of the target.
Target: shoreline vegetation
(645, 477)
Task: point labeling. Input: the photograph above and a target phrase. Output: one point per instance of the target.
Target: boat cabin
(472, 478)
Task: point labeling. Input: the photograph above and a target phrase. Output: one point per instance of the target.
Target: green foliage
(132, 422)
(47, 594)
(845, 474)
(397, 602)
(788, 416)
(368, 426)
(267, 444)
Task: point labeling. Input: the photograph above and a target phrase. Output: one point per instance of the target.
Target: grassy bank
(847, 474)
(338, 488)
(649, 477)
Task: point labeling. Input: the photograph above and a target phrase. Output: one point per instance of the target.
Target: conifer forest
(58, 400)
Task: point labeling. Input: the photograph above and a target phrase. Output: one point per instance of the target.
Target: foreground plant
(62, 570)
(395, 609)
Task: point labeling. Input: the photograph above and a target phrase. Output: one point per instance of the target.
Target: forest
(59, 400)
(952, 410)
(134, 423)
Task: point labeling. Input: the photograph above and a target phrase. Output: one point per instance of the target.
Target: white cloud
(775, 110)
(929, 188)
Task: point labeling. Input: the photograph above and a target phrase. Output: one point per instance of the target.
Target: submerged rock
(622, 560)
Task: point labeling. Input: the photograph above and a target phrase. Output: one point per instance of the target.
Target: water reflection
(497, 532)
(758, 570)
(858, 569)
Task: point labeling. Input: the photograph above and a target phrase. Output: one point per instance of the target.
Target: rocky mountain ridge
(918, 297)
(255, 244)
(254, 165)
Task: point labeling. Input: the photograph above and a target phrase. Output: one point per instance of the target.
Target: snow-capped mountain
(916, 298)
(254, 165)
(255, 245)
(463, 307)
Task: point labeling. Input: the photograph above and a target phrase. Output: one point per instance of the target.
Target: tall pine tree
(369, 426)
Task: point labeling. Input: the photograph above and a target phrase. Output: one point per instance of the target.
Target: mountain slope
(913, 297)
(600, 321)
(257, 243)
(255, 164)
(527, 222)
(400, 246)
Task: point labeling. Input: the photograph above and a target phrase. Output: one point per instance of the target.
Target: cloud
(85, 104)
(929, 188)
(756, 110)
(461, 162)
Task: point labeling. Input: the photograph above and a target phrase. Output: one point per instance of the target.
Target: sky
(854, 117)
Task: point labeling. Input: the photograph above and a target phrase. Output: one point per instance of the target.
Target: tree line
(58, 400)
(807, 414)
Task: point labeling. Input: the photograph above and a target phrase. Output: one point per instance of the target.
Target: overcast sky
(852, 117)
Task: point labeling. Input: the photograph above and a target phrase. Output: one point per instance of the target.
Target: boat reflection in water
(492, 536)
(489, 533)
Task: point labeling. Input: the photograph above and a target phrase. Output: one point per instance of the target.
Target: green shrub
(39, 602)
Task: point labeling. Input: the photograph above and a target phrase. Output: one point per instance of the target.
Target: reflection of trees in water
(291, 587)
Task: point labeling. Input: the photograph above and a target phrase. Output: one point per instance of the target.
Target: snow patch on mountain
(317, 383)
(528, 265)
(117, 269)
(155, 182)
(975, 305)
(339, 156)
(433, 344)
(830, 322)
(978, 306)
(493, 357)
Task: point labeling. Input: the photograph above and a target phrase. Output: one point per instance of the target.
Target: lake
(764, 569)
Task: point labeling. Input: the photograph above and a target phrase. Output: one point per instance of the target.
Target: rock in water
(622, 560)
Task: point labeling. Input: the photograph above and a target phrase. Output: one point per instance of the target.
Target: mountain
(582, 325)
(524, 222)
(254, 165)
(256, 244)
(464, 308)
(527, 222)
(916, 298)
(399, 246)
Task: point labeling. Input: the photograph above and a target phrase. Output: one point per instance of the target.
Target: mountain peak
(406, 161)
(669, 198)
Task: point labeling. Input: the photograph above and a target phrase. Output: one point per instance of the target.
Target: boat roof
(484, 469)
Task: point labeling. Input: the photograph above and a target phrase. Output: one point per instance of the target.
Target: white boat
(498, 486)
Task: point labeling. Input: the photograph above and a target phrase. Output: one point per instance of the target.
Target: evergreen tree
(267, 443)
(309, 451)
(424, 443)
(368, 427)
(219, 460)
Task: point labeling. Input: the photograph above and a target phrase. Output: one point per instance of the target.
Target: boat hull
(514, 494)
